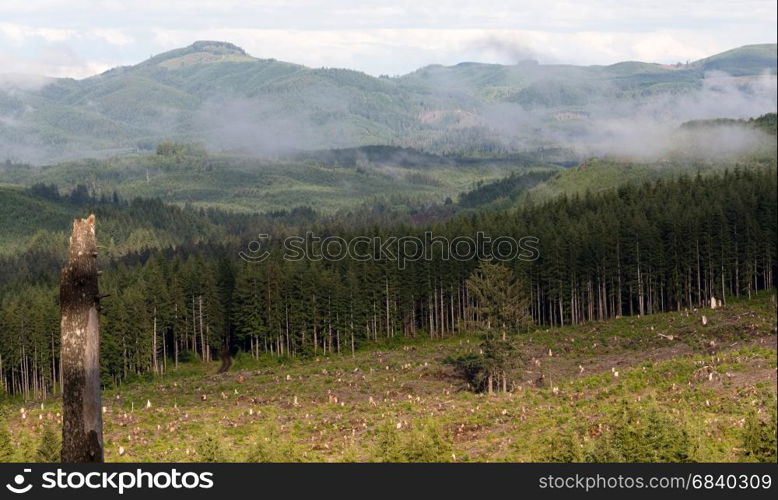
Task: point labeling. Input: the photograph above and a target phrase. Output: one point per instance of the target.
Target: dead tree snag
(82, 422)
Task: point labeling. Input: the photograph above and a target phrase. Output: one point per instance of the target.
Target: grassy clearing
(613, 391)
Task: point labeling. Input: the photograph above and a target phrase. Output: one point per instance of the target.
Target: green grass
(398, 401)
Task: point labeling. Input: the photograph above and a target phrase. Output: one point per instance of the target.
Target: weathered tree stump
(226, 361)
(82, 422)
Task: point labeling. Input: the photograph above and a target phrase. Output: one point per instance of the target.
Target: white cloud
(18, 34)
(382, 36)
(400, 51)
(52, 60)
(114, 37)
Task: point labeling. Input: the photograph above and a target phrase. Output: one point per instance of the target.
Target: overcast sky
(78, 38)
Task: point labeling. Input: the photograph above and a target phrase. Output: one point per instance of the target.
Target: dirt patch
(558, 368)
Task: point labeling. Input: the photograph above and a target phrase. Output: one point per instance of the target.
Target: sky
(80, 38)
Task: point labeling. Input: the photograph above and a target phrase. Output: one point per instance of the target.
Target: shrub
(6, 446)
(272, 447)
(210, 450)
(49, 447)
(471, 367)
(565, 448)
(604, 450)
(187, 356)
(26, 449)
(640, 435)
(423, 443)
(351, 454)
(759, 440)
(136, 378)
(496, 359)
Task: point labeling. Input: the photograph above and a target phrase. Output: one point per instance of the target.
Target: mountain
(216, 93)
(743, 61)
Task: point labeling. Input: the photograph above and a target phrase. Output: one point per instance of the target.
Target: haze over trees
(217, 94)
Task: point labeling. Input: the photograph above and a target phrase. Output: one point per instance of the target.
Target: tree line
(640, 249)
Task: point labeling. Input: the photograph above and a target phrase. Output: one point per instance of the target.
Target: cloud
(381, 37)
(399, 51)
(54, 52)
(51, 60)
(113, 36)
(18, 34)
(645, 128)
(503, 48)
(12, 82)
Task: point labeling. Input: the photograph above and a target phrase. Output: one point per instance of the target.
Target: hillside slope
(746, 60)
(215, 92)
(37, 222)
(325, 180)
(702, 389)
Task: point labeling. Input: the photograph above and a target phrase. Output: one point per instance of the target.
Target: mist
(513, 52)
(644, 128)
(271, 109)
(272, 124)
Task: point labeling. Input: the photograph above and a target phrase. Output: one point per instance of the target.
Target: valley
(641, 328)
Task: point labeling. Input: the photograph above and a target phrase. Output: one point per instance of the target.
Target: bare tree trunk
(352, 339)
(164, 353)
(175, 339)
(388, 325)
(154, 344)
(82, 424)
(202, 337)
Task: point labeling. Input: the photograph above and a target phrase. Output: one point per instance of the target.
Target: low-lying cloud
(644, 127)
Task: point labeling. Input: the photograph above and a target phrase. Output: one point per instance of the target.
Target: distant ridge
(214, 92)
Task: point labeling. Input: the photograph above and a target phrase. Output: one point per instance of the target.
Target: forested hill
(767, 123)
(340, 179)
(127, 226)
(638, 249)
(329, 180)
(216, 93)
(35, 224)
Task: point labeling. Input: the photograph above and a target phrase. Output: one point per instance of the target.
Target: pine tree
(500, 298)
(49, 447)
(503, 304)
(6, 446)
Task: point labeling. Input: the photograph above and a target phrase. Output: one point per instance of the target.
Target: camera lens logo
(19, 481)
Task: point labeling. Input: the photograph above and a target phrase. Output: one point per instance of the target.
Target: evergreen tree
(500, 298)
(49, 447)
(6, 446)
